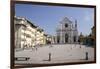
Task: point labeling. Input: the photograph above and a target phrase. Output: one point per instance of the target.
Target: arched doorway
(74, 38)
(66, 38)
(58, 39)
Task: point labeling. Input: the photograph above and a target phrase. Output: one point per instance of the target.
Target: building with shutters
(27, 34)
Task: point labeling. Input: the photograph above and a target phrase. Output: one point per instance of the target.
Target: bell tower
(75, 24)
(75, 33)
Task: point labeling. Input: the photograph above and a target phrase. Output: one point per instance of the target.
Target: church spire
(76, 24)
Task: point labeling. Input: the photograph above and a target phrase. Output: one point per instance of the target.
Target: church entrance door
(66, 38)
(74, 38)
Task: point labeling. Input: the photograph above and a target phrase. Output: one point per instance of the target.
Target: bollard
(36, 48)
(80, 46)
(49, 56)
(86, 55)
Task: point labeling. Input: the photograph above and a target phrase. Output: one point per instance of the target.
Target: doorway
(66, 38)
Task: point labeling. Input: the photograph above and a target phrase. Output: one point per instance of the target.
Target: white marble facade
(66, 31)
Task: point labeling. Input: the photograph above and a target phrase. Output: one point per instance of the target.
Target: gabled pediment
(66, 20)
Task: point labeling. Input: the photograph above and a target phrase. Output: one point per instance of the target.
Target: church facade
(66, 31)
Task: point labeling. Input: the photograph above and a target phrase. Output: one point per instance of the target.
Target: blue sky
(48, 17)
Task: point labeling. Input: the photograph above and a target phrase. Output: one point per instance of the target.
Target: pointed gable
(66, 20)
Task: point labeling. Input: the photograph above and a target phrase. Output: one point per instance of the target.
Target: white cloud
(88, 16)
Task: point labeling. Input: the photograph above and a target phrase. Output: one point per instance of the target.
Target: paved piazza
(62, 53)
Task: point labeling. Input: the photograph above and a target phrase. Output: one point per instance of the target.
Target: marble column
(61, 37)
(56, 39)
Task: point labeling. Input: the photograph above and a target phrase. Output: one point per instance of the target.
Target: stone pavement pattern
(62, 53)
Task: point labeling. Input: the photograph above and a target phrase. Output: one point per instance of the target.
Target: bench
(22, 58)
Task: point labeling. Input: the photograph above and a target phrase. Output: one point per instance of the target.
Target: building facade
(66, 31)
(27, 34)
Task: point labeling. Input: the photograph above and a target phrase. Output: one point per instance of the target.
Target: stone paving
(62, 53)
